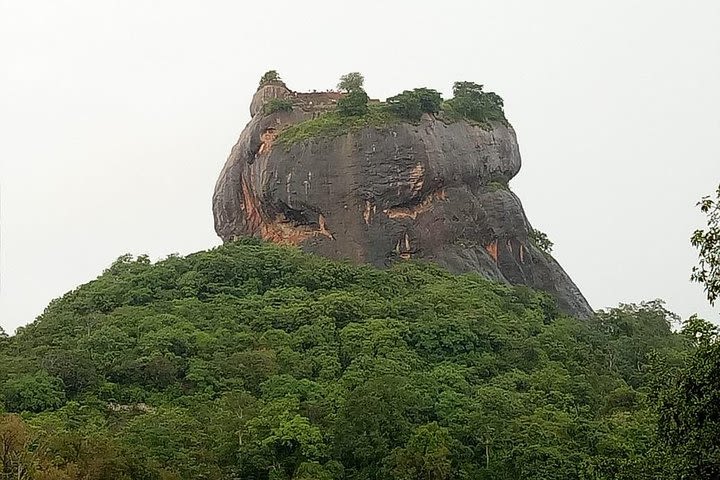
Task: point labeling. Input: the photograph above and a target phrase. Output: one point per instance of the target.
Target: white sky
(117, 116)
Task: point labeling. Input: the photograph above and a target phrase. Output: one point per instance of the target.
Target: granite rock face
(432, 191)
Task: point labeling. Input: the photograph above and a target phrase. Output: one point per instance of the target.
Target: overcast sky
(117, 116)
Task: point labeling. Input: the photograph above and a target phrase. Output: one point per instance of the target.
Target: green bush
(278, 105)
(271, 76)
(354, 104)
(472, 103)
(411, 104)
(405, 105)
(430, 100)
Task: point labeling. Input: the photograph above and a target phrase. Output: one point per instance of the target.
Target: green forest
(254, 361)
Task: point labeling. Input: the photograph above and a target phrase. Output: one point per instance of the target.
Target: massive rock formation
(433, 191)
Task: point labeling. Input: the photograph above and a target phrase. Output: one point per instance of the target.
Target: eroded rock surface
(431, 191)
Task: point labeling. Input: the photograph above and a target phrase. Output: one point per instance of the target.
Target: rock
(266, 93)
(431, 191)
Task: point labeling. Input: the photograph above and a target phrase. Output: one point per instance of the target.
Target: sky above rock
(116, 118)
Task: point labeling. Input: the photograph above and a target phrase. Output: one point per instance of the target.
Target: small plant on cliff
(496, 185)
(271, 76)
(541, 240)
(411, 104)
(351, 81)
(278, 105)
(473, 103)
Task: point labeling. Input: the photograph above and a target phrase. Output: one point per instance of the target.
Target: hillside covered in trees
(254, 361)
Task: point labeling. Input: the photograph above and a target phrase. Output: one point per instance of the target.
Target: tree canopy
(257, 361)
(470, 101)
(541, 240)
(355, 101)
(351, 81)
(271, 76)
(411, 104)
(354, 104)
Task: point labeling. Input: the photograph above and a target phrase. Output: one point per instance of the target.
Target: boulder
(435, 191)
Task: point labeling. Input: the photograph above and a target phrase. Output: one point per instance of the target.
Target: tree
(700, 331)
(313, 471)
(541, 240)
(271, 76)
(405, 105)
(351, 81)
(689, 414)
(466, 89)
(354, 104)
(689, 403)
(430, 100)
(473, 103)
(707, 241)
(633, 334)
(427, 455)
(172, 440)
(16, 460)
(373, 420)
(74, 369)
(34, 393)
(411, 104)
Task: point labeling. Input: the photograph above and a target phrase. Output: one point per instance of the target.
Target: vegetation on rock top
(411, 104)
(271, 76)
(277, 105)
(472, 103)
(354, 112)
(333, 124)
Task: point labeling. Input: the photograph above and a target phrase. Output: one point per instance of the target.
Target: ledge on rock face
(383, 194)
(266, 93)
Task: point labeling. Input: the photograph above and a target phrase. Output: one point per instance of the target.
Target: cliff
(433, 190)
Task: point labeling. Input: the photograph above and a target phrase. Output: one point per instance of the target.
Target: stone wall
(316, 101)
